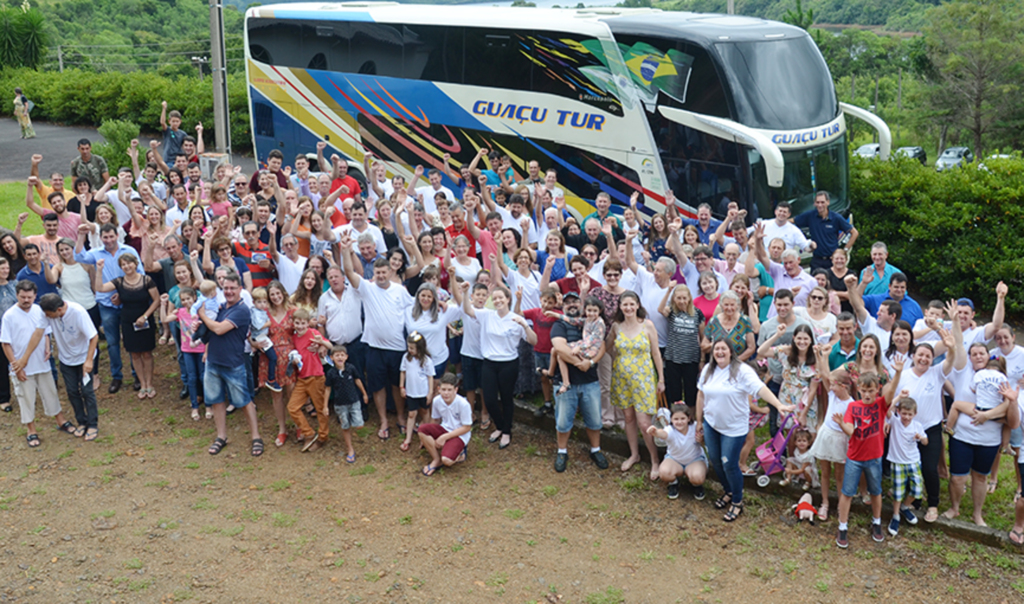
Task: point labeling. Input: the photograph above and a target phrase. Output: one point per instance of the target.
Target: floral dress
(280, 333)
(22, 114)
(633, 376)
(795, 382)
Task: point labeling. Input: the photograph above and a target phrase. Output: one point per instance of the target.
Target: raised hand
(36, 159)
(1002, 290)
(33, 181)
(898, 361)
(24, 216)
(850, 281)
(320, 146)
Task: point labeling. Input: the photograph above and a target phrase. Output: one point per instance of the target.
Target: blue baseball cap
(965, 302)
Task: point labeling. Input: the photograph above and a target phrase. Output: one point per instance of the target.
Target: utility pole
(899, 101)
(60, 59)
(219, 70)
(731, 7)
(199, 62)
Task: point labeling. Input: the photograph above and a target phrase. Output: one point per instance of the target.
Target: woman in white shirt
(76, 284)
(500, 332)
(723, 413)
(466, 266)
(431, 321)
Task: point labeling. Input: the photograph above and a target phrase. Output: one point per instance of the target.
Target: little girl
(800, 465)
(259, 334)
(989, 402)
(416, 382)
(588, 346)
(684, 455)
(220, 205)
(320, 235)
(831, 445)
(207, 300)
(193, 355)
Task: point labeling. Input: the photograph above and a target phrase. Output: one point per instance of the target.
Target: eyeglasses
(249, 233)
(613, 274)
(817, 297)
(589, 253)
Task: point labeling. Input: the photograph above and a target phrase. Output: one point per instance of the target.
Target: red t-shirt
(542, 327)
(868, 438)
(311, 366)
(452, 234)
(570, 284)
(353, 187)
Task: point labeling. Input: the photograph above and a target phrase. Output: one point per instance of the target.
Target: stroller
(771, 455)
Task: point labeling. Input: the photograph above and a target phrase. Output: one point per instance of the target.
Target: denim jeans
(176, 334)
(112, 334)
(82, 397)
(194, 367)
(724, 452)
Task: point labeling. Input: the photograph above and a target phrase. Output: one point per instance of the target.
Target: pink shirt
(185, 322)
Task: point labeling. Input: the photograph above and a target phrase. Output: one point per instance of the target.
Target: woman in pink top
(193, 355)
(707, 301)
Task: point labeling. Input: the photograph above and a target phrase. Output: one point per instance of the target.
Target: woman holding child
(280, 333)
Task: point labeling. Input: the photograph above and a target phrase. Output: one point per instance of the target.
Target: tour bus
(717, 108)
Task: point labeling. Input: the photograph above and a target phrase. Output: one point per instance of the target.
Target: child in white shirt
(683, 455)
(446, 439)
(904, 434)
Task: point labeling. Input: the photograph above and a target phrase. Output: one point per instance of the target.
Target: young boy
(683, 455)
(446, 440)
(310, 382)
(863, 423)
(258, 334)
(542, 349)
(174, 136)
(345, 392)
(904, 434)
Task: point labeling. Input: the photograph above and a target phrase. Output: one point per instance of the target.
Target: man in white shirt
(290, 264)
(77, 339)
(788, 275)
(27, 348)
(377, 184)
(179, 209)
(783, 229)
(384, 303)
(425, 194)
(359, 225)
(515, 217)
(338, 312)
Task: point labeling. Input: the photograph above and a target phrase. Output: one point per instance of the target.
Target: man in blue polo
(706, 225)
(898, 293)
(880, 270)
(826, 228)
(225, 380)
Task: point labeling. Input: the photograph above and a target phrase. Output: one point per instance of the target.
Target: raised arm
(158, 158)
(898, 360)
(630, 259)
(545, 277)
(410, 189)
(857, 296)
(133, 154)
(97, 280)
(163, 115)
(767, 348)
(467, 304)
(200, 145)
(320, 159)
(346, 261)
(30, 201)
(999, 314)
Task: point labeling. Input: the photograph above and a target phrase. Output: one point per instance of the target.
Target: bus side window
(493, 59)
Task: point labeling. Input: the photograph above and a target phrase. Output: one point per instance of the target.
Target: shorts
(440, 369)
(965, 458)
(1017, 437)
(872, 470)
(584, 398)
(472, 373)
(906, 480)
(350, 416)
(383, 368)
(226, 385)
(451, 448)
(415, 403)
(542, 360)
(700, 459)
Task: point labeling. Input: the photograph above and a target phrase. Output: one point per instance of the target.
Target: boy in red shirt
(542, 349)
(864, 423)
(309, 345)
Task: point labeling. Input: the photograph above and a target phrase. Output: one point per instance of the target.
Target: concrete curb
(613, 441)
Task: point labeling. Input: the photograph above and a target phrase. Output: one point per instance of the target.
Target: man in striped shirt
(256, 254)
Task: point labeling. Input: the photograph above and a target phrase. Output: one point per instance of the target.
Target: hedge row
(955, 233)
(85, 98)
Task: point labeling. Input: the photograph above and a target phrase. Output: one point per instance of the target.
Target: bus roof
(699, 27)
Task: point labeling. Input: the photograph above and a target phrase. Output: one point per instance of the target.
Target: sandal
(163, 340)
(723, 501)
(823, 512)
(142, 394)
(1019, 540)
(992, 486)
(209, 414)
(309, 410)
(350, 459)
(484, 425)
(281, 439)
(91, 434)
(257, 447)
(404, 446)
(735, 510)
(67, 427)
(428, 470)
(931, 515)
(217, 445)
(384, 433)
(79, 432)
(33, 440)
(195, 415)
(152, 393)
(6, 408)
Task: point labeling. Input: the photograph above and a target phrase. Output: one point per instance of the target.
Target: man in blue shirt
(880, 270)
(35, 271)
(225, 380)
(110, 307)
(897, 292)
(826, 228)
(706, 225)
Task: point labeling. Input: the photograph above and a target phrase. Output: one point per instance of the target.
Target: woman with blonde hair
(682, 347)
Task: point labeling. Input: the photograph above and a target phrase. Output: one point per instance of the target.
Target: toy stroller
(771, 455)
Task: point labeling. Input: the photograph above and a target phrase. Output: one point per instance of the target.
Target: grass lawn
(12, 203)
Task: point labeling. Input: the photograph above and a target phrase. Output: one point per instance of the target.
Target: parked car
(917, 153)
(870, 150)
(954, 157)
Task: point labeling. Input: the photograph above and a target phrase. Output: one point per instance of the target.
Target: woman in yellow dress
(637, 375)
(21, 114)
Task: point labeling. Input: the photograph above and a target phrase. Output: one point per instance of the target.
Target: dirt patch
(146, 515)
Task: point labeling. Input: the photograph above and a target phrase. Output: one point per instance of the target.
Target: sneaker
(561, 461)
(545, 409)
(784, 482)
(876, 532)
(894, 526)
(272, 385)
(673, 489)
(909, 515)
(599, 460)
(698, 493)
(841, 539)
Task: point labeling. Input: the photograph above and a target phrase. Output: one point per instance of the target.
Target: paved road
(58, 146)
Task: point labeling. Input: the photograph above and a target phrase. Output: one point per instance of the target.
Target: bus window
(263, 118)
(433, 53)
(493, 59)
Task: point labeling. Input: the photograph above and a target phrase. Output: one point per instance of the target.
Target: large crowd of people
(443, 305)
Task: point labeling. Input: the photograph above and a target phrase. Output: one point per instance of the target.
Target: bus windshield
(779, 84)
(823, 168)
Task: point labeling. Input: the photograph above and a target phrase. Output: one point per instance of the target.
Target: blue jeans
(193, 375)
(182, 370)
(585, 398)
(724, 452)
(112, 334)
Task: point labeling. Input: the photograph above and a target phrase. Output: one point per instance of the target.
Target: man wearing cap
(584, 390)
(898, 292)
(974, 333)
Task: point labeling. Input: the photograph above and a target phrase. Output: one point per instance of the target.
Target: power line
(206, 41)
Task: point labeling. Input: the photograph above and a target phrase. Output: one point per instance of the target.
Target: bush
(118, 135)
(77, 97)
(955, 233)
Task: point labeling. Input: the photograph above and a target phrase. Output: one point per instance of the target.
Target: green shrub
(955, 233)
(77, 97)
(118, 135)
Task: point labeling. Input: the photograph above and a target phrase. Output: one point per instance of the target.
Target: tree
(977, 49)
(799, 17)
(23, 37)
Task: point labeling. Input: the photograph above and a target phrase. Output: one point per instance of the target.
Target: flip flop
(992, 486)
(33, 440)
(350, 459)
(404, 446)
(67, 427)
(91, 434)
(79, 432)
(1020, 538)
(428, 470)
(384, 433)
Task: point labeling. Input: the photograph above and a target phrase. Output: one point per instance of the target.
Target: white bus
(716, 108)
